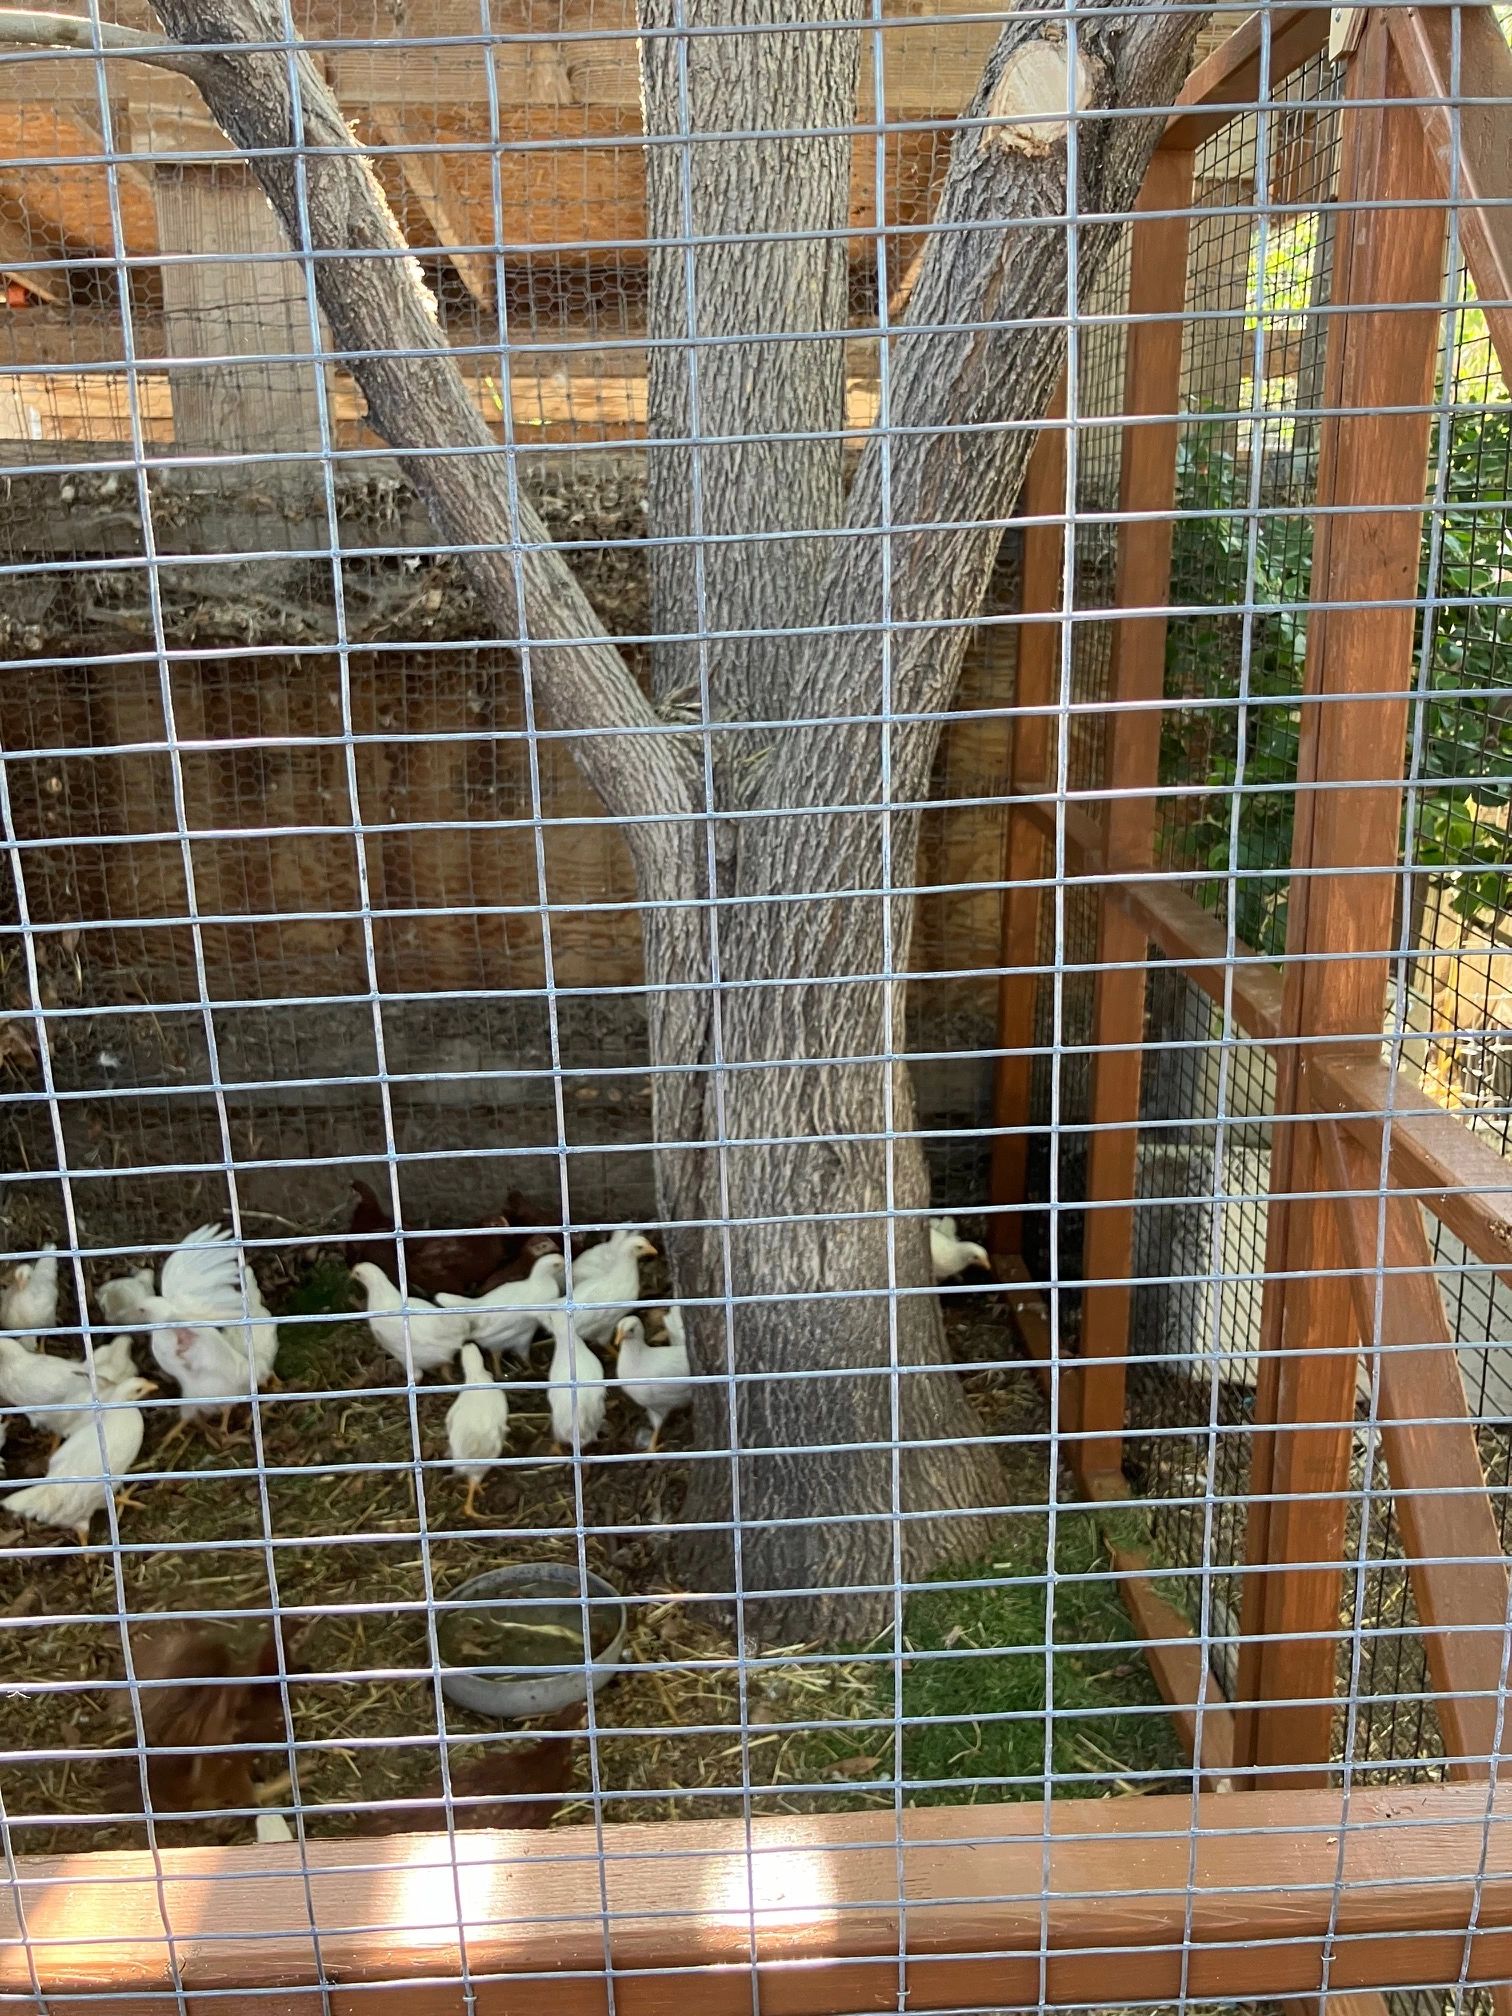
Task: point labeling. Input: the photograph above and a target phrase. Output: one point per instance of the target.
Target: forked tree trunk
(776, 1020)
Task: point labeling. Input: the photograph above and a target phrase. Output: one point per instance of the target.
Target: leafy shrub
(1465, 740)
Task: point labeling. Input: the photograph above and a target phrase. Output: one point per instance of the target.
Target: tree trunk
(748, 251)
(851, 1467)
(777, 1022)
(850, 1462)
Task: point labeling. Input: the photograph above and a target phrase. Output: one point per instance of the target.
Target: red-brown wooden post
(1035, 688)
(1147, 484)
(1382, 349)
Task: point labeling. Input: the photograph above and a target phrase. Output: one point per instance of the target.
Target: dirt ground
(342, 1525)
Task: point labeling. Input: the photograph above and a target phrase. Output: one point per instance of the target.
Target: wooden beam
(1382, 352)
(231, 300)
(1469, 143)
(1174, 1651)
(1228, 81)
(1388, 1887)
(84, 119)
(1451, 1539)
(1177, 922)
(1031, 757)
(1459, 1176)
(1195, 938)
(1159, 243)
(430, 182)
(438, 59)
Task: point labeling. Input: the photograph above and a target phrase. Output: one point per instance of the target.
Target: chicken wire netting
(315, 929)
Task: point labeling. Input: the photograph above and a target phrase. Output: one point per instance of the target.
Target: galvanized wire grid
(300, 888)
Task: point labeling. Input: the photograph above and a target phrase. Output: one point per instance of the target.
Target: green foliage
(1467, 742)
(1291, 245)
(1204, 662)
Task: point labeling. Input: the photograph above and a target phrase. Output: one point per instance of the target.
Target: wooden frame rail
(1273, 1895)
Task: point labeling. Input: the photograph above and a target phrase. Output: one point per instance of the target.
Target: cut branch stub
(1033, 99)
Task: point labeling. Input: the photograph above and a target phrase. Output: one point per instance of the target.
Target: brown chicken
(530, 1251)
(496, 1790)
(189, 1725)
(454, 1263)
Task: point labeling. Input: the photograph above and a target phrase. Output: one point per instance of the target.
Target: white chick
(949, 1255)
(605, 1283)
(124, 1300)
(210, 1369)
(504, 1319)
(273, 1827)
(655, 1376)
(210, 1320)
(29, 1301)
(113, 1362)
(50, 1391)
(476, 1424)
(435, 1335)
(75, 1488)
(578, 1407)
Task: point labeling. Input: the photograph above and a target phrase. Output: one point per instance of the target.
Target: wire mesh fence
(570, 809)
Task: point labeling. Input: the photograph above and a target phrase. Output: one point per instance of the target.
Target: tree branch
(997, 269)
(73, 31)
(370, 289)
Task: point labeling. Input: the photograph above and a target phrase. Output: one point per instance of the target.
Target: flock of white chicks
(424, 1336)
(213, 1335)
(210, 1324)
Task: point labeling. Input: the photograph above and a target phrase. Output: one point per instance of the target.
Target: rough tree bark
(790, 1060)
(806, 937)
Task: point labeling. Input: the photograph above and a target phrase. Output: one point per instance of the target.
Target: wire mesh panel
(521, 656)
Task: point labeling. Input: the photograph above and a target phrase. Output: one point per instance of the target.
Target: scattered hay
(346, 1533)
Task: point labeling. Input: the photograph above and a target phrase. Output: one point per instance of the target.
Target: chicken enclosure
(756, 1061)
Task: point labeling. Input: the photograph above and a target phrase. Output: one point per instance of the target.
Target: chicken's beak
(611, 1349)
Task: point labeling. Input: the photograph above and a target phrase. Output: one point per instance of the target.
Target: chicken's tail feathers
(445, 1300)
(31, 1498)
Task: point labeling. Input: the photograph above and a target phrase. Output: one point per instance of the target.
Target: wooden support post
(1464, 112)
(1382, 350)
(430, 182)
(1147, 484)
(1030, 762)
(230, 301)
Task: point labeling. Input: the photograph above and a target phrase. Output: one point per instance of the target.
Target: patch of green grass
(1110, 1724)
(1129, 1528)
(324, 1289)
(975, 1660)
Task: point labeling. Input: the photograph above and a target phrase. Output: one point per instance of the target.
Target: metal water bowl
(514, 1647)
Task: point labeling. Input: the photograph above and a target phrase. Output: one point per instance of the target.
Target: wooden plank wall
(445, 822)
